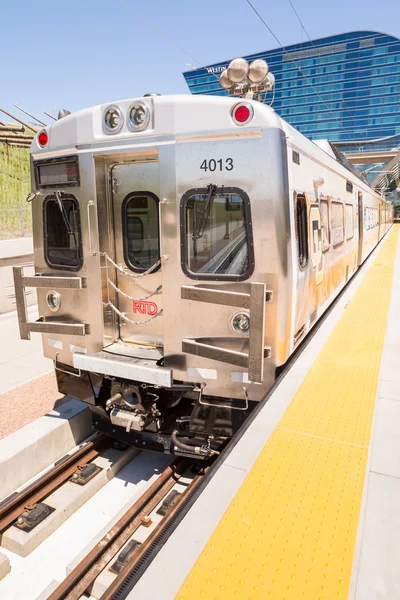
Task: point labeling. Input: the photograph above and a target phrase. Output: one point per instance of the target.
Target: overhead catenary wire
(313, 45)
(343, 100)
(295, 63)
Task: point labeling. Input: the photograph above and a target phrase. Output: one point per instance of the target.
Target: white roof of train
(178, 114)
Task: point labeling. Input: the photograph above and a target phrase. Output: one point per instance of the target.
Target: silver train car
(184, 246)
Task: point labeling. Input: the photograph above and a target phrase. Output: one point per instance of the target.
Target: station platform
(306, 503)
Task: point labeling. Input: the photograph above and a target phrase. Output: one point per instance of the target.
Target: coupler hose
(202, 450)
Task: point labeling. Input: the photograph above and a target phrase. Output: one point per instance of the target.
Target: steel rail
(122, 581)
(14, 505)
(85, 573)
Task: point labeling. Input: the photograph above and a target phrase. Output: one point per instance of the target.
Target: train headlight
(139, 116)
(224, 80)
(53, 301)
(113, 119)
(237, 70)
(258, 71)
(240, 322)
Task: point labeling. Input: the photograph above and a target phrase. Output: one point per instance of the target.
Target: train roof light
(270, 80)
(224, 80)
(138, 116)
(43, 138)
(258, 71)
(242, 114)
(237, 70)
(112, 119)
(247, 81)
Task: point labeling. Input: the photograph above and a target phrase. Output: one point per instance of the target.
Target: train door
(136, 283)
(306, 298)
(360, 228)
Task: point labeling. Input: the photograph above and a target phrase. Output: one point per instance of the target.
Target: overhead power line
(313, 45)
(296, 64)
(301, 22)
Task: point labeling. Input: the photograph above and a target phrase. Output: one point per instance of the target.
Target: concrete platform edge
(26, 452)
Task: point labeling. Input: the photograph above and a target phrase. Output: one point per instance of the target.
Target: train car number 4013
(217, 164)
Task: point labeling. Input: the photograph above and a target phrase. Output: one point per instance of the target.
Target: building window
(349, 221)
(324, 210)
(302, 230)
(337, 223)
(141, 230)
(216, 234)
(62, 232)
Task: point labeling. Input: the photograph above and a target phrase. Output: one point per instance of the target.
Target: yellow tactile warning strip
(290, 531)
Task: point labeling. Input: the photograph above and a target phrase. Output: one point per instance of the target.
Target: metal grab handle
(20, 299)
(89, 212)
(42, 326)
(255, 300)
(256, 333)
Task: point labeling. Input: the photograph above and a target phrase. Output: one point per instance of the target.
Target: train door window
(324, 210)
(302, 230)
(216, 234)
(62, 232)
(349, 221)
(141, 230)
(337, 223)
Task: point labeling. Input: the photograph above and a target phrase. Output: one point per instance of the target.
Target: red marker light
(43, 138)
(242, 114)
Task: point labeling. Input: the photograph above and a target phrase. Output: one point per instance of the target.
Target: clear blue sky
(79, 53)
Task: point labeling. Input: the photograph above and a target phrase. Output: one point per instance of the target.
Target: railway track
(119, 537)
(18, 506)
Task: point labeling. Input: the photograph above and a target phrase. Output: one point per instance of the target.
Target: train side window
(337, 223)
(62, 232)
(349, 221)
(140, 225)
(302, 230)
(349, 186)
(324, 210)
(216, 234)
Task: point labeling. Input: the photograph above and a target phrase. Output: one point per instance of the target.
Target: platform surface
(20, 360)
(306, 504)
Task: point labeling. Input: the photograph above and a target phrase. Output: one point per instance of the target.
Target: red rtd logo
(145, 308)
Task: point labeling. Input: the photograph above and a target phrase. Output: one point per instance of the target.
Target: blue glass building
(345, 88)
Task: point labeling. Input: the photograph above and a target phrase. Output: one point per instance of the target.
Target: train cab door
(134, 284)
(360, 228)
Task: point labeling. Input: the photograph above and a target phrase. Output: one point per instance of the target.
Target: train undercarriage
(180, 421)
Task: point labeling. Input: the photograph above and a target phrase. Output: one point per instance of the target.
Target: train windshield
(62, 232)
(216, 233)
